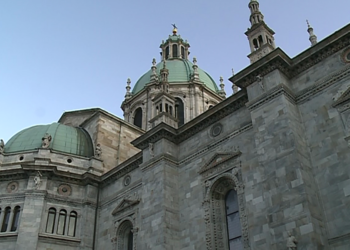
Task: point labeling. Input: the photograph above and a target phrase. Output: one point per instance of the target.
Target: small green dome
(64, 139)
(180, 70)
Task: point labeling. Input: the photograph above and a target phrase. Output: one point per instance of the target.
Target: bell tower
(260, 36)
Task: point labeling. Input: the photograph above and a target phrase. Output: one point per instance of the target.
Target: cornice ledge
(276, 59)
(86, 178)
(161, 131)
(280, 89)
(122, 169)
(303, 95)
(210, 117)
(292, 67)
(163, 157)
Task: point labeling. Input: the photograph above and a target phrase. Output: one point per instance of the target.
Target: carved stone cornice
(50, 171)
(278, 59)
(219, 111)
(280, 89)
(304, 95)
(122, 169)
(163, 157)
(126, 204)
(217, 159)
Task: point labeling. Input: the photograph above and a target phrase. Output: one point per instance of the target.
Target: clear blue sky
(62, 55)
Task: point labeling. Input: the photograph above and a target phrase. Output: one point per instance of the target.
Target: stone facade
(281, 143)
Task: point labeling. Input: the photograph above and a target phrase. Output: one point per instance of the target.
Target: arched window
(138, 117)
(51, 221)
(72, 224)
(260, 41)
(175, 50)
(130, 240)
(234, 231)
(183, 52)
(179, 111)
(61, 222)
(15, 219)
(167, 52)
(125, 236)
(255, 43)
(226, 213)
(5, 222)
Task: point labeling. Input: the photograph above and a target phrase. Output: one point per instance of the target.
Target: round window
(216, 130)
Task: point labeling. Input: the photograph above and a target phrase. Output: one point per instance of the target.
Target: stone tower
(173, 91)
(260, 36)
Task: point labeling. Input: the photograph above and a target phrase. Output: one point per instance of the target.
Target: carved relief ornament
(214, 213)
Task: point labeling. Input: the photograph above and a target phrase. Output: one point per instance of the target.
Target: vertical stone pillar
(284, 193)
(29, 226)
(9, 225)
(159, 212)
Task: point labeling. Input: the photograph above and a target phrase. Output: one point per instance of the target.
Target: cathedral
(189, 167)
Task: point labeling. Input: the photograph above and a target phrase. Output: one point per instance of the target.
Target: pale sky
(63, 55)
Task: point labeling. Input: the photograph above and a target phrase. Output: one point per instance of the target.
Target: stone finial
(2, 146)
(98, 151)
(313, 37)
(37, 180)
(195, 76)
(291, 242)
(128, 88)
(222, 86)
(234, 88)
(194, 60)
(45, 141)
(233, 72)
(154, 62)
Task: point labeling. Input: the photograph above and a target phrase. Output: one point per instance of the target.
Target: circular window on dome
(346, 55)
(216, 130)
(12, 187)
(64, 189)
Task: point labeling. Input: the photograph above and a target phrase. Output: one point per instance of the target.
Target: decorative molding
(213, 205)
(126, 204)
(279, 90)
(201, 122)
(319, 86)
(277, 59)
(217, 159)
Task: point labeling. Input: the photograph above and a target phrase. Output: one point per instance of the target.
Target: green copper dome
(64, 139)
(180, 70)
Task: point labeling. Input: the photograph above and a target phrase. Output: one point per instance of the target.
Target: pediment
(342, 97)
(217, 159)
(125, 204)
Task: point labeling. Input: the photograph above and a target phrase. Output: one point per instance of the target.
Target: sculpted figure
(2, 146)
(291, 242)
(45, 141)
(37, 180)
(151, 152)
(98, 150)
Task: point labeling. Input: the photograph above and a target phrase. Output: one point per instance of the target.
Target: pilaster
(289, 192)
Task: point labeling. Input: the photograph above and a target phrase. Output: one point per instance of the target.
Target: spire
(195, 77)
(154, 76)
(222, 86)
(313, 37)
(260, 36)
(255, 15)
(128, 93)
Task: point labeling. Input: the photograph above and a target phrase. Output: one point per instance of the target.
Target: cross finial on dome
(174, 29)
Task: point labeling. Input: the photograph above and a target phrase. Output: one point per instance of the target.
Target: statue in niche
(98, 150)
(37, 180)
(45, 141)
(291, 242)
(151, 149)
(2, 146)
